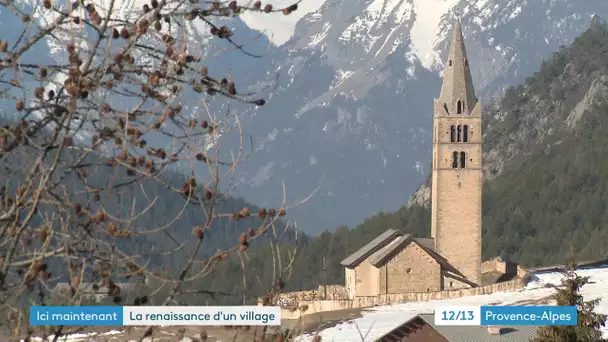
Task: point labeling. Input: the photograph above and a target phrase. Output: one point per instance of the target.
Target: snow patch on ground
(380, 320)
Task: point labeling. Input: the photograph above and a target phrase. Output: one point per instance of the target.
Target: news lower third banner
(506, 315)
(154, 315)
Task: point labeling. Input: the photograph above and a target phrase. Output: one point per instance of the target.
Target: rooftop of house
(371, 247)
(464, 333)
(381, 242)
(390, 242)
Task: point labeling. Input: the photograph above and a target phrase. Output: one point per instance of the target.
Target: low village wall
(294, 305)
(309, 307)
(334, 292)
(335, 297)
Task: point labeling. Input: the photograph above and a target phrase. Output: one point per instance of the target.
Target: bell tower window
(455, 160)
(459, 133)
(453, 133)
(463, 160)
(465, 133)
(450, 62)
(459, 107)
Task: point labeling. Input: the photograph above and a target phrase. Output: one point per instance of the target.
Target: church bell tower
(457, 166)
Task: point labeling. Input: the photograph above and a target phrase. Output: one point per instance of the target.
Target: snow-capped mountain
(352, 110)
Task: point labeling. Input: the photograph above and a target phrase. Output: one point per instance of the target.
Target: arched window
(463, 160)
(466, 62)
(465, 133)
(453, 133)
(450, 62)
(459, 107)
(459, 133)
(455, 160)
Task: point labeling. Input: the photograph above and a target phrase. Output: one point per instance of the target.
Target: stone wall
(498, 265)
(307, 307)
(412, 269)
(367, 279)
(334, 292)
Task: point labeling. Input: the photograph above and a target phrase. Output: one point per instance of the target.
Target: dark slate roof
(463, 333)
(426, 242)
(385, 254)
(480, 334)
(374, 245)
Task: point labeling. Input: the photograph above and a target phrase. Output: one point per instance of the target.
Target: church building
(395, 262)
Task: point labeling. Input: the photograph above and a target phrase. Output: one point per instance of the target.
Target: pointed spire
(457, 81)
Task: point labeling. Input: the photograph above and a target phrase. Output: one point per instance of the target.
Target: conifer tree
(589, 322)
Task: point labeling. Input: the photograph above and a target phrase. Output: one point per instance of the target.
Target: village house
(422, 328)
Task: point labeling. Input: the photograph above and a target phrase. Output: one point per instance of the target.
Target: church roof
(385, 254)
(362, 253)
(426, 242)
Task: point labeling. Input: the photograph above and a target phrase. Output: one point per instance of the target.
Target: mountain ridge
(359, 122)
(351, 117)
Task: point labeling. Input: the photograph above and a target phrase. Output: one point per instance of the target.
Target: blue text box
(529, 315)
(76, 315)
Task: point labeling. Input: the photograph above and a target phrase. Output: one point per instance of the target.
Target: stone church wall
(367, 279)
(412, 270)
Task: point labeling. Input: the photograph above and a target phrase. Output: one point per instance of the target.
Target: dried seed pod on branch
(106, 125)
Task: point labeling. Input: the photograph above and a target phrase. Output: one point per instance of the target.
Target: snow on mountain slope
(382, 319)
(424, 33)
(350, 103)
(191, 36)
(355, 89)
